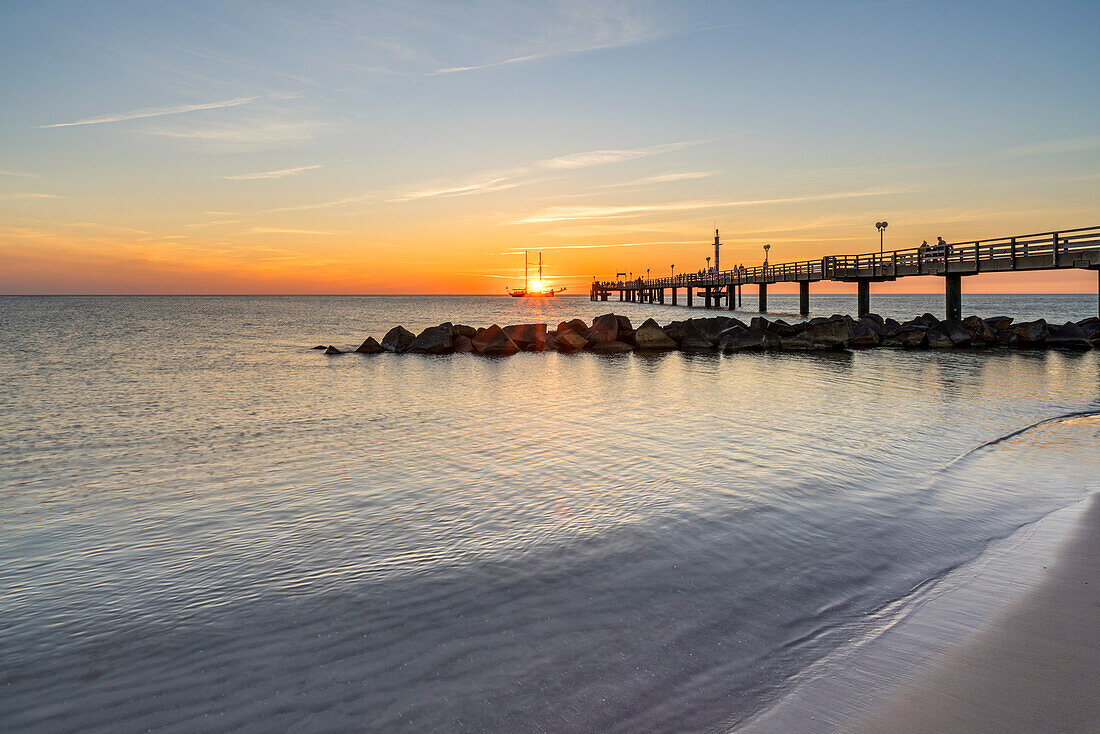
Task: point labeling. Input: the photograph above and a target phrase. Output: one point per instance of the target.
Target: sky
(417, 147)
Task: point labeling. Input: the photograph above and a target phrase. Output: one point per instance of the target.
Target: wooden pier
(1072, 248)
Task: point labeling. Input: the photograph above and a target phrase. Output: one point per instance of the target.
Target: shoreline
(1005, 643)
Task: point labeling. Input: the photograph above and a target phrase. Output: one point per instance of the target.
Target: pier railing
(1041, 251)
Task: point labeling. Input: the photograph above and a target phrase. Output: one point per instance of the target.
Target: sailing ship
(533, 290)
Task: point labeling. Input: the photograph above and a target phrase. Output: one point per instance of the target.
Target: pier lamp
(708, 264)
(647, 273)
(672, 271)
(881, 228)
(766, 248)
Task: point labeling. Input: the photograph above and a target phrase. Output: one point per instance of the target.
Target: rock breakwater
(614, 334)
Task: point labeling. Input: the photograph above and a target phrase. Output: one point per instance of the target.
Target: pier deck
(1072, 248)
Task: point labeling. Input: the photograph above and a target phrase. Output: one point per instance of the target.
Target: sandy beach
(1036, 668)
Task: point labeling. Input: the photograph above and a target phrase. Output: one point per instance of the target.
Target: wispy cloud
(481, 187)
(536, 57)
(270, 174)
(663, 178)
(249, 132)
(21, 174)
(568, 213)
(602, 157)
(1069, 145)
(156, 112)
(24, 195)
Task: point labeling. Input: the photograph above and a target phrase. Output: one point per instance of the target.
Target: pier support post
(674, 289)
(691, 293)
(707, 303)
(661, 296)
(763, 298)
(739, 294)
(804, 298)
(863, 297)
(954, 293)
(729, 298)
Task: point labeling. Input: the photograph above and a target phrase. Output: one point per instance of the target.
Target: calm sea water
(204, 525)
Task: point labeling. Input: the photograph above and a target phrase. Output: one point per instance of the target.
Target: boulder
(832, 333)
(332, 350)
(493, 342)
(463, 330)
(907, 337)
(1068, 336)
(712, 327)
(1091, 327)
(890, 326)
(740, 339)
(651, 336)
(528, 337)
(881, 322)
(875, 325)
(398, 339)
(802, 342)
(320, 346)
(574, 325)
(626, 331)
(434, 340)
(463, 344)
(863, 336)
(981, 332)
(1030, 333)
(999, 323)
(569, 341)
(370, 346)
(604, 329)
(948, 333)
(615, 347)
(676, 331)
(693, 339)
(551, 344)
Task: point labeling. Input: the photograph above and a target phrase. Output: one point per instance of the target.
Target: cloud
(1069, 145)
(22, 174)
(252, 132)
(270, 174)
(568, 213)
(156, 112)
(663, 178)
(22, 195)
(602, 157)
(493, 184)
(567, 28)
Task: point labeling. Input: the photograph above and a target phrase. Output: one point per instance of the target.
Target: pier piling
(953, 291)
(804, 297)
(763, 298)
(863, 297)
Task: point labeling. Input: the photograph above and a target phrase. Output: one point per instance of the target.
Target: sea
(206, 525)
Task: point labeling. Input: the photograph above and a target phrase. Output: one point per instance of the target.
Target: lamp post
(647, 273)
(766, 248)
(881, 229)
(708, 265)
(672, 271)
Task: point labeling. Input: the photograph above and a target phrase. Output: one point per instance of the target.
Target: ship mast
(525, 271)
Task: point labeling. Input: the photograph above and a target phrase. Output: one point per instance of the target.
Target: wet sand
(1035, 668)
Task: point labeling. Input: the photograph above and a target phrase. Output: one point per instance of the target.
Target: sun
(536, 285)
